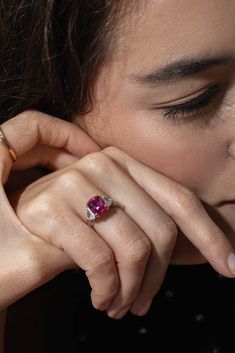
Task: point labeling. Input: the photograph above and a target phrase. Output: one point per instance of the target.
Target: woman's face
(167, 97)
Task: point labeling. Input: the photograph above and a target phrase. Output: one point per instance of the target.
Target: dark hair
(50, 53)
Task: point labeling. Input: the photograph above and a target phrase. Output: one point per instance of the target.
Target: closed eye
(196, 104)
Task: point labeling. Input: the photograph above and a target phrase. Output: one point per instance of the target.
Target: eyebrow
(181, 69)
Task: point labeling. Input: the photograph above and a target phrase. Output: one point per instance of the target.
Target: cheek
(179, 153)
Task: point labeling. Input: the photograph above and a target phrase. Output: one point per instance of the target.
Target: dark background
(194, 312)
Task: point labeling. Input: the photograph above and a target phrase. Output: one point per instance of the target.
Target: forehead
(164, 30)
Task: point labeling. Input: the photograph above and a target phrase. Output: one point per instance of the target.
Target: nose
(229, 129)
(231, 149)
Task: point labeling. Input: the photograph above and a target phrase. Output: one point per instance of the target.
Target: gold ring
(7, 145)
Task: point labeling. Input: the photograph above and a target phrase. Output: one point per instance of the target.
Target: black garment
(194, 312)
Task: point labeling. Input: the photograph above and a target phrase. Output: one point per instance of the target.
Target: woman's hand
(26, 261)
(127, 253)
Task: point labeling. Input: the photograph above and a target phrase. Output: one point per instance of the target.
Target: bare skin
(173, 168)
(26, 261)
(199, 149)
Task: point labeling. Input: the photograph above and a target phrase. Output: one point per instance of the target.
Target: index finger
(184, 208)
(32, 127)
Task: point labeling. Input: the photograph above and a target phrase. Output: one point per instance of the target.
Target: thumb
(32, 128)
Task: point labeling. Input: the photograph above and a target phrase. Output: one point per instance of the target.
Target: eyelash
(196, 105)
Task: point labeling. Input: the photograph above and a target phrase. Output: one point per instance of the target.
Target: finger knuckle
(185, 199)
(210, 245)
(111, 150)
(97, 163)
(25, 121)
(102, 259)
(117, 155)
(41, 206)
(69, 180)
(31, 116)
(169, 229)
(28, 114)
(110, 287)
(138, 250)
(44, 206)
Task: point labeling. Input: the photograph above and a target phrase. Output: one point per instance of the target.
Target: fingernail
(141, 309)
(231, 262)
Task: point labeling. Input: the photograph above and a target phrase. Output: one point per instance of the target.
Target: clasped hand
(126, 254)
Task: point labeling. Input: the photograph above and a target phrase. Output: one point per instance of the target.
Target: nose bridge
(228, 123)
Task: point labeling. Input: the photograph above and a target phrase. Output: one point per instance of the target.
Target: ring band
(97, 206)
(7, 145)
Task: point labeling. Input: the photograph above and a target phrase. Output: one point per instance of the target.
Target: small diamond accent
(90, 215)
(108, 202)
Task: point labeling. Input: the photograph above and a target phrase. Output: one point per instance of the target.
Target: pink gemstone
(96, 205)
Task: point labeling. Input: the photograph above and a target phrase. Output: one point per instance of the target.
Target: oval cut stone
(97, 205)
